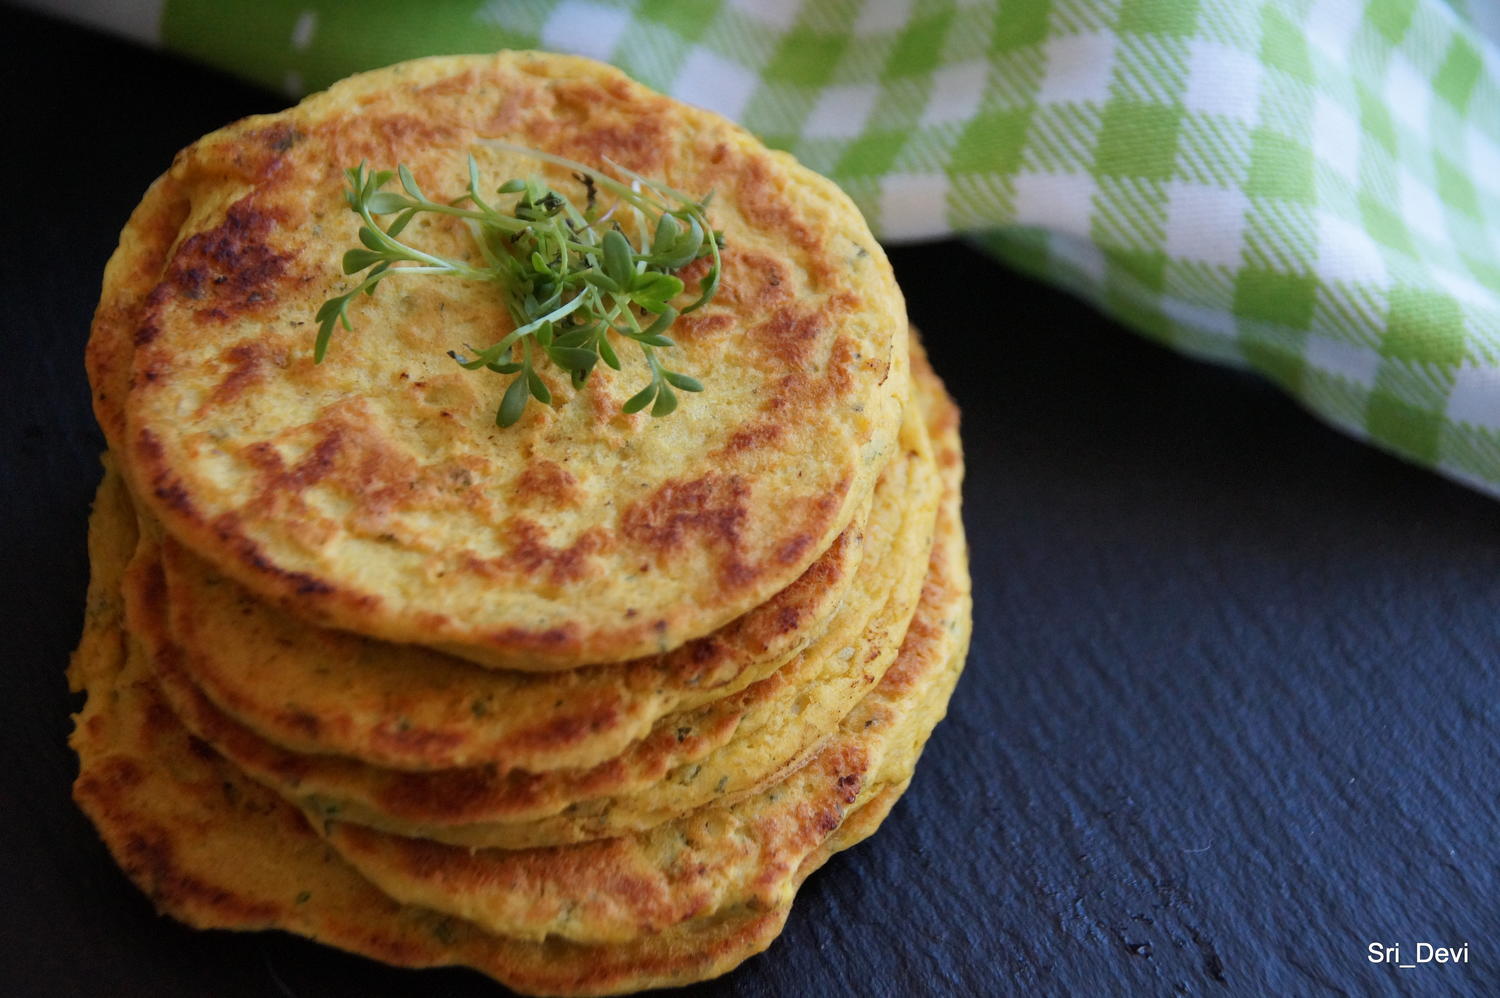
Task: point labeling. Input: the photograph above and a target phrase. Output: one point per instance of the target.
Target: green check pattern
(1306, 188)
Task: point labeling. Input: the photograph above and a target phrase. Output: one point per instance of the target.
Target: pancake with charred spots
(215, 849)
(374, 493)
(323, 691)
(722, 751)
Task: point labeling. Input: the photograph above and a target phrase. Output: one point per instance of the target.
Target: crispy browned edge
(615, 697)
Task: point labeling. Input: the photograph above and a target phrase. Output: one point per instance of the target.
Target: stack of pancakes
(578, 703)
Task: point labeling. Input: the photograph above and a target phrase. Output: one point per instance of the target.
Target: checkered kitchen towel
(1308, 188)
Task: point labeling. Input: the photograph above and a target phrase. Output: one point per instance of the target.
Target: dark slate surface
(1231, 714)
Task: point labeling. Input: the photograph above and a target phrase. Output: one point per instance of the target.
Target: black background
(1230, 716)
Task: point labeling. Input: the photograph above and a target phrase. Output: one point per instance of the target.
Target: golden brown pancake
(374, 493)
(113, 539)
(324, 691)
(216, 850)
(716, 857)
(722, 751)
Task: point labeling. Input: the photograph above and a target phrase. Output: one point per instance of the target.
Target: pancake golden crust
(373, 493)
(743, 855)
(216, 850)
(132, 272)
(322, 691)
(718, 856)
(723, 751)
(113, 540)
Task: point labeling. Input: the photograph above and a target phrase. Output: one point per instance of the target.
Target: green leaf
(482, 358)
(607, 352)
(551, 291)
(328, 317)
(320, 347)
(667, 233)
(572, 358)
(640, 399)
(619, 261)
(539, 390)
(409, 183)
(602, 281)
(682, 381)
(373, 277)
(356, 260)
(708, 288)
(661, 287)
(662, 323)
(577, 336)
(666, 402)
(401, 222)
(513, 404)
(511, 187)
(686, 249)
(386, 202)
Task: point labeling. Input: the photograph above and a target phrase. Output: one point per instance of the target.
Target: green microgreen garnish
(572, 279)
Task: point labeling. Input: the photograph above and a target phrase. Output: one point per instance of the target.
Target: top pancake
(374, 493)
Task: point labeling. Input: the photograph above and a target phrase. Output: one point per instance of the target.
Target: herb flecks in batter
(572, 279)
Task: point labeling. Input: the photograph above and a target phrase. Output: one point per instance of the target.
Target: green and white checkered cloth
(1307, 188)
